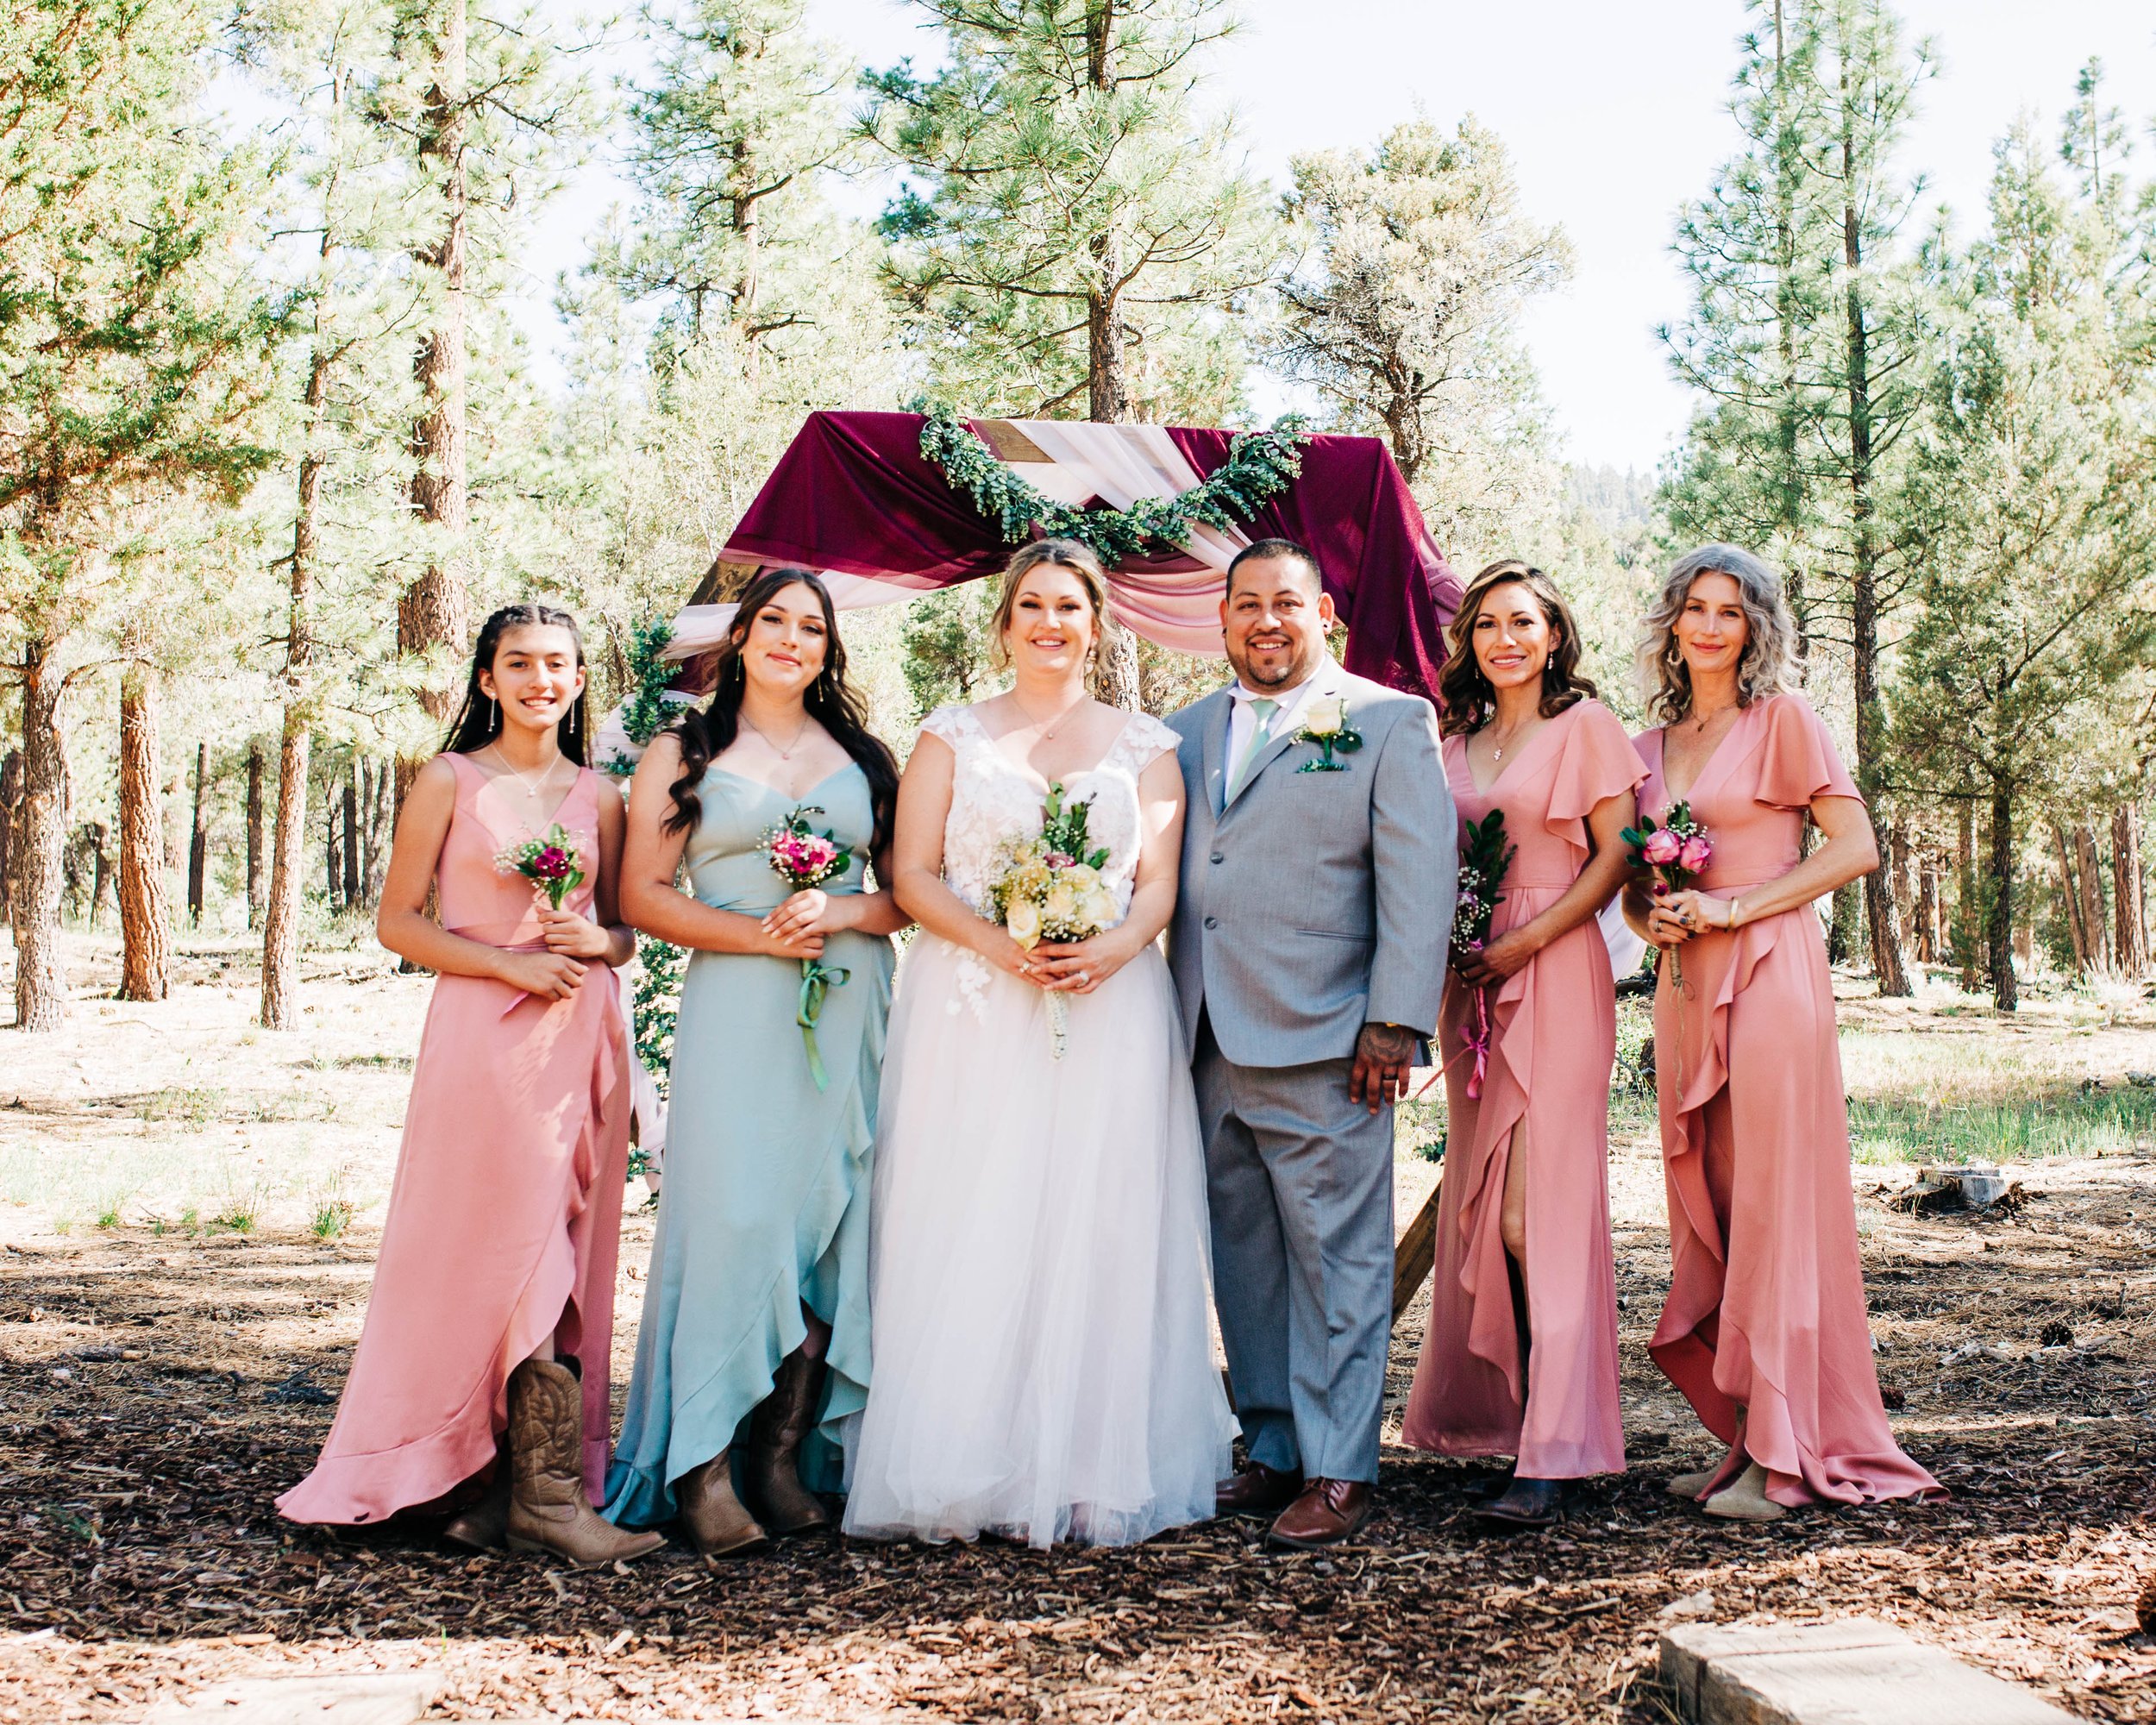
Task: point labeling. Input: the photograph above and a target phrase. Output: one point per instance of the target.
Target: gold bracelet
(1735, 906)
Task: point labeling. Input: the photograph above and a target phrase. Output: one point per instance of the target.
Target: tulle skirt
(1039, 1275)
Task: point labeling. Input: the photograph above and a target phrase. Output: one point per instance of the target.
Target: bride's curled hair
(1467, 699)
(832, 701)
(1062, 554)
(1768, 665)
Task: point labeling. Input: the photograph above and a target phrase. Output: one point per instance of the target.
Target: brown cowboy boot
(547, 1509)
(485, 1525)
(772, 1469)
(712, 1516)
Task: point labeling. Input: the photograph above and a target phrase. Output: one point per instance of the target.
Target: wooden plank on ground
(1856, 1672)
(1416, 1251)
(311, 1698)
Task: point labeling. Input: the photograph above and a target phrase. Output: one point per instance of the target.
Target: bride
(1038, 1265)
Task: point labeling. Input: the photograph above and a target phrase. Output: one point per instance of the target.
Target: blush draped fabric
(1546, 1097)
(854, 497)
(1766, 1312)
(504, 1218)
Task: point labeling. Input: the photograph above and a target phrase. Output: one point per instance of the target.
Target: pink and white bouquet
(803, 858)
(554, 862)
(1050, 888)
(1674, 855)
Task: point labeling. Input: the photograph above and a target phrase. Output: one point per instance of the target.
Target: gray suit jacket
(1314, 902)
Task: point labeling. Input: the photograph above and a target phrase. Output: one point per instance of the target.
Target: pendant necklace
(787, 753)
(532, 787)
(1048, 732)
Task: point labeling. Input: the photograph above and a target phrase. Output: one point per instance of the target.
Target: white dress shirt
(1286, 718)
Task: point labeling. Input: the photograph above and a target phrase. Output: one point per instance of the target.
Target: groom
(1309, 950)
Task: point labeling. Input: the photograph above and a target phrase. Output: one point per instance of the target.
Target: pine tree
(133, 359)
(1076, 228)
(1407, 319)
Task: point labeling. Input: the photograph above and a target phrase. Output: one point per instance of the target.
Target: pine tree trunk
(145, 938)
(1999, 912)
(1843, 922)
(281, 918)
(1967, 894)
(2089, 869)
(41, 978)
(431, 611)
(331, 873)
(10, 803)
(1927, 907)
(1881, 923)
(2070, 897)
(101, 892)
(352, 893)
(198, 840)
(373, 852)
(2130, 940)
(254, 833)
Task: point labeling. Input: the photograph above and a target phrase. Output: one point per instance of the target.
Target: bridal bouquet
(1050, 888)
(1483, 860)
(551, 862)
(805, 858)
(1675, 855)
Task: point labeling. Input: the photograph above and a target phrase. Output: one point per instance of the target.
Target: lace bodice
(993, 797)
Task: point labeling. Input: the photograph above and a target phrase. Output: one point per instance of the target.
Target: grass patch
(193, 1104)
(2071, 1123)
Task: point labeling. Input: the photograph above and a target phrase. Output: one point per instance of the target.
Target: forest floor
(188, 1209)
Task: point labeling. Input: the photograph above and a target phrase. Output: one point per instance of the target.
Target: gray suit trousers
(1301, 1184)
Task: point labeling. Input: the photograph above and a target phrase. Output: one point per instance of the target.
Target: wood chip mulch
(156, 1393)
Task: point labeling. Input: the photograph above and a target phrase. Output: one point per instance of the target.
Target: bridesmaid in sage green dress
(753, 1349)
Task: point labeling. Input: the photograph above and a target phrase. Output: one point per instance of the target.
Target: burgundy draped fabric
(854, 495)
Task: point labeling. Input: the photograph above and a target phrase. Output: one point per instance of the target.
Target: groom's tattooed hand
(1383, 1054)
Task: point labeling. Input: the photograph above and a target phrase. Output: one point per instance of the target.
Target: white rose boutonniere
(1324, 723)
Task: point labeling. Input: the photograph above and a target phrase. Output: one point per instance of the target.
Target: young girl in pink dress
(1765, 1328)
(1520, 1356)
(485, 1349)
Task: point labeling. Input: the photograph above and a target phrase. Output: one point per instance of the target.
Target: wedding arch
(891, 506)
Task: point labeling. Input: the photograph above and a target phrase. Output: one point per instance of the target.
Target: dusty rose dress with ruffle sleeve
(1766, 1307)
(1545, 1095)
(504, 1219)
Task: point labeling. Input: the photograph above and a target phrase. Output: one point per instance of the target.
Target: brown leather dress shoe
(1256, 1489)
(1329, 1511)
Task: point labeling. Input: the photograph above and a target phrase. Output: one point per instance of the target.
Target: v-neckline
(1484, 793)
(742, 778)
(1706, 766)
(554, 815)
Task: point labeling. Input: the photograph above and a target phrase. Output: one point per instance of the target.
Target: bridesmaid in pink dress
(1520, 1356)
(1765, 1328)
(491, 1314)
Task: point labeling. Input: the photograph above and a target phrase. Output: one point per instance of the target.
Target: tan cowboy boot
(712, 1516)
(547, 1509)
(771, 1470)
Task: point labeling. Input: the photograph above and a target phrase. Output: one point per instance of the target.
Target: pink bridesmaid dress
(1765, 1313)
(1546, 1094)
(504, 1220)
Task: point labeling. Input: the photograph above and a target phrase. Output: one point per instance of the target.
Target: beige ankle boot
(547, 1509)
(771, 1472)
(712, 1516)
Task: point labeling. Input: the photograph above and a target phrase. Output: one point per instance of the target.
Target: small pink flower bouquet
(1483, 860)
(803, 858)
(1674, 854)
(552, 863)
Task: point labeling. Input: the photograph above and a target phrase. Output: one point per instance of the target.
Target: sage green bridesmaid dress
(764, 1207)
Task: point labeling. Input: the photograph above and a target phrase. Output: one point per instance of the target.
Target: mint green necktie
(1261, 734)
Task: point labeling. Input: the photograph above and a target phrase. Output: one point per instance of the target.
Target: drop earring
(493, 712)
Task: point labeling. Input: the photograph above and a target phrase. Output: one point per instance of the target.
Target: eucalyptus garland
(1260, 465)
(646, 710)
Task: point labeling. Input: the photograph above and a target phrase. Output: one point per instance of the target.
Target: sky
(1614, 114)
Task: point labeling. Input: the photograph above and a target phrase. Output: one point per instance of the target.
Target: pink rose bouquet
(803, 858)
(1674, 854)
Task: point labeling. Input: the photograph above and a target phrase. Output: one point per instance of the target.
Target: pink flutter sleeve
(1596, 762)
(1798, 761)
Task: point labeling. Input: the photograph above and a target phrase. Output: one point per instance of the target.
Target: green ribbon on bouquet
(817, 980)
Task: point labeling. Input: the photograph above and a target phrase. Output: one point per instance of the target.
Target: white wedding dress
(1039, 1278)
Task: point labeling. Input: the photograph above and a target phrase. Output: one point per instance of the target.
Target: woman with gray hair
(1765, 1328)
